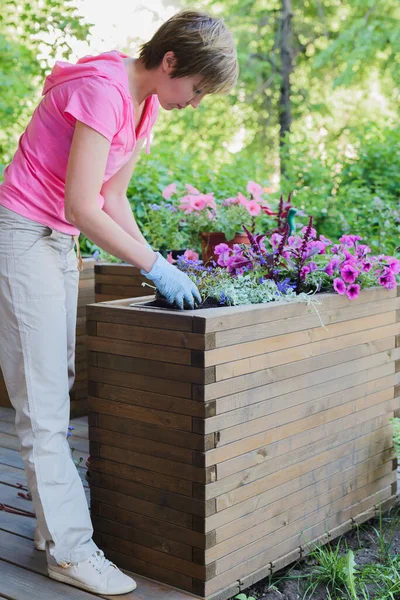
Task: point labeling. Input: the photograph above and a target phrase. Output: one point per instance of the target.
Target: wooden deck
(23, 572)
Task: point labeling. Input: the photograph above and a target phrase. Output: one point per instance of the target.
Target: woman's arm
(85, 173)
(116, 203)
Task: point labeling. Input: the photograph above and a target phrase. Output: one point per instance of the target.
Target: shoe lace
(100, 562)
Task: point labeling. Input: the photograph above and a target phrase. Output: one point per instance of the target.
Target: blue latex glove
(175, 285)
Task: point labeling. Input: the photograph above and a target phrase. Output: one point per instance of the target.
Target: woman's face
(178, 92)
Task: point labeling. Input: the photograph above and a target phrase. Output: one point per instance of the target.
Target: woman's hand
(175, 285)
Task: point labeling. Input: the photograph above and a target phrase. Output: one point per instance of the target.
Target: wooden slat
(120, 312)
(303, 417)
(170, 337)
(181, 504)
(20, 584)
(142, 414)
(367, 356)
(263, 558)
(280, 485)
(304, 503)
(148, 352)
(117, 269)
(136, 474)
(330, 376)
(277, 343)
(151, 400)
(163, 370)
(305, 321)
(255, 476)
(220, 319)
(325, 351)
(123, 291)
(181, 438)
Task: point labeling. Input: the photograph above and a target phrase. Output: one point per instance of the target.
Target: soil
(290, 583)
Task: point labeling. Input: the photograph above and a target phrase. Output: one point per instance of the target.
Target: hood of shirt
(107, 65)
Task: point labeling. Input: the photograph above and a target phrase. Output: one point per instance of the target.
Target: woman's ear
(169, 62)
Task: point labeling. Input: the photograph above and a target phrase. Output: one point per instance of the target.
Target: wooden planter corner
(118, 281)
(78, 394)
(225, 442)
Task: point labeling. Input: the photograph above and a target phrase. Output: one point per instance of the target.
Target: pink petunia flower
(255, 189)
(313, 266)
(191, 255)
(339, 286)
(242, 199)
(295, 241)
(363, 250)
(192, 203)
(349, 273)
(191, 189)
(353, 291)
(229, 201)
(332, 265)
(169, 191)
(253, 208)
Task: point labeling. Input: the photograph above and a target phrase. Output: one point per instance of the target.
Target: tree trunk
(286, 52)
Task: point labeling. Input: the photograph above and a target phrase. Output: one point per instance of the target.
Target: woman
(70, 174)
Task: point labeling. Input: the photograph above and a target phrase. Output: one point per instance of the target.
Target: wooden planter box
(78, 393)
(224, 441)
(118, 281)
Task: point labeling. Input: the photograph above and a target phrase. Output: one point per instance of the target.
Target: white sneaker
(96, 574)
(38, 540)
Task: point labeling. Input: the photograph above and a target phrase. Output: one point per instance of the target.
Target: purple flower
(352, 291)
(304, 272)
(349, 273)
(222, 251)
(313, 248)
(275, 239)
(387, 279)
(284, 286)
(155, 206)
(339, 286)
(349, 240)
(313, 233)
(325, 240)
(393, 263)
(236, 263)
(313, 266)
(363, 250)
(336, 248)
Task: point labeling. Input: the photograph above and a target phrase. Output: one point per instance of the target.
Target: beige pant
(38, 304)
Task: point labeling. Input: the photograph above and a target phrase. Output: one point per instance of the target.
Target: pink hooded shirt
(94, 91)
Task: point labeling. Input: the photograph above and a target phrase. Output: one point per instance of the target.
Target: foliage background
(342, 153)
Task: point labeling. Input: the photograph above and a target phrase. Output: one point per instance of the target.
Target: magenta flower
(339, 286)
(387, 279)
(352, 291)
(393, 263)
(304, 272)
(295, 241)
(223, 252)
(236, 262)
(366, 265)
(336, 248)
(169, 191)
(349, 273)
(314, 247)
(332, 265)
(313, 266)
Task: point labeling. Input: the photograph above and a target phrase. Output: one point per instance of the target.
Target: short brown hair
(203, 45)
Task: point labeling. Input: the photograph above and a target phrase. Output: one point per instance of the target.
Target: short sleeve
(99, 105)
